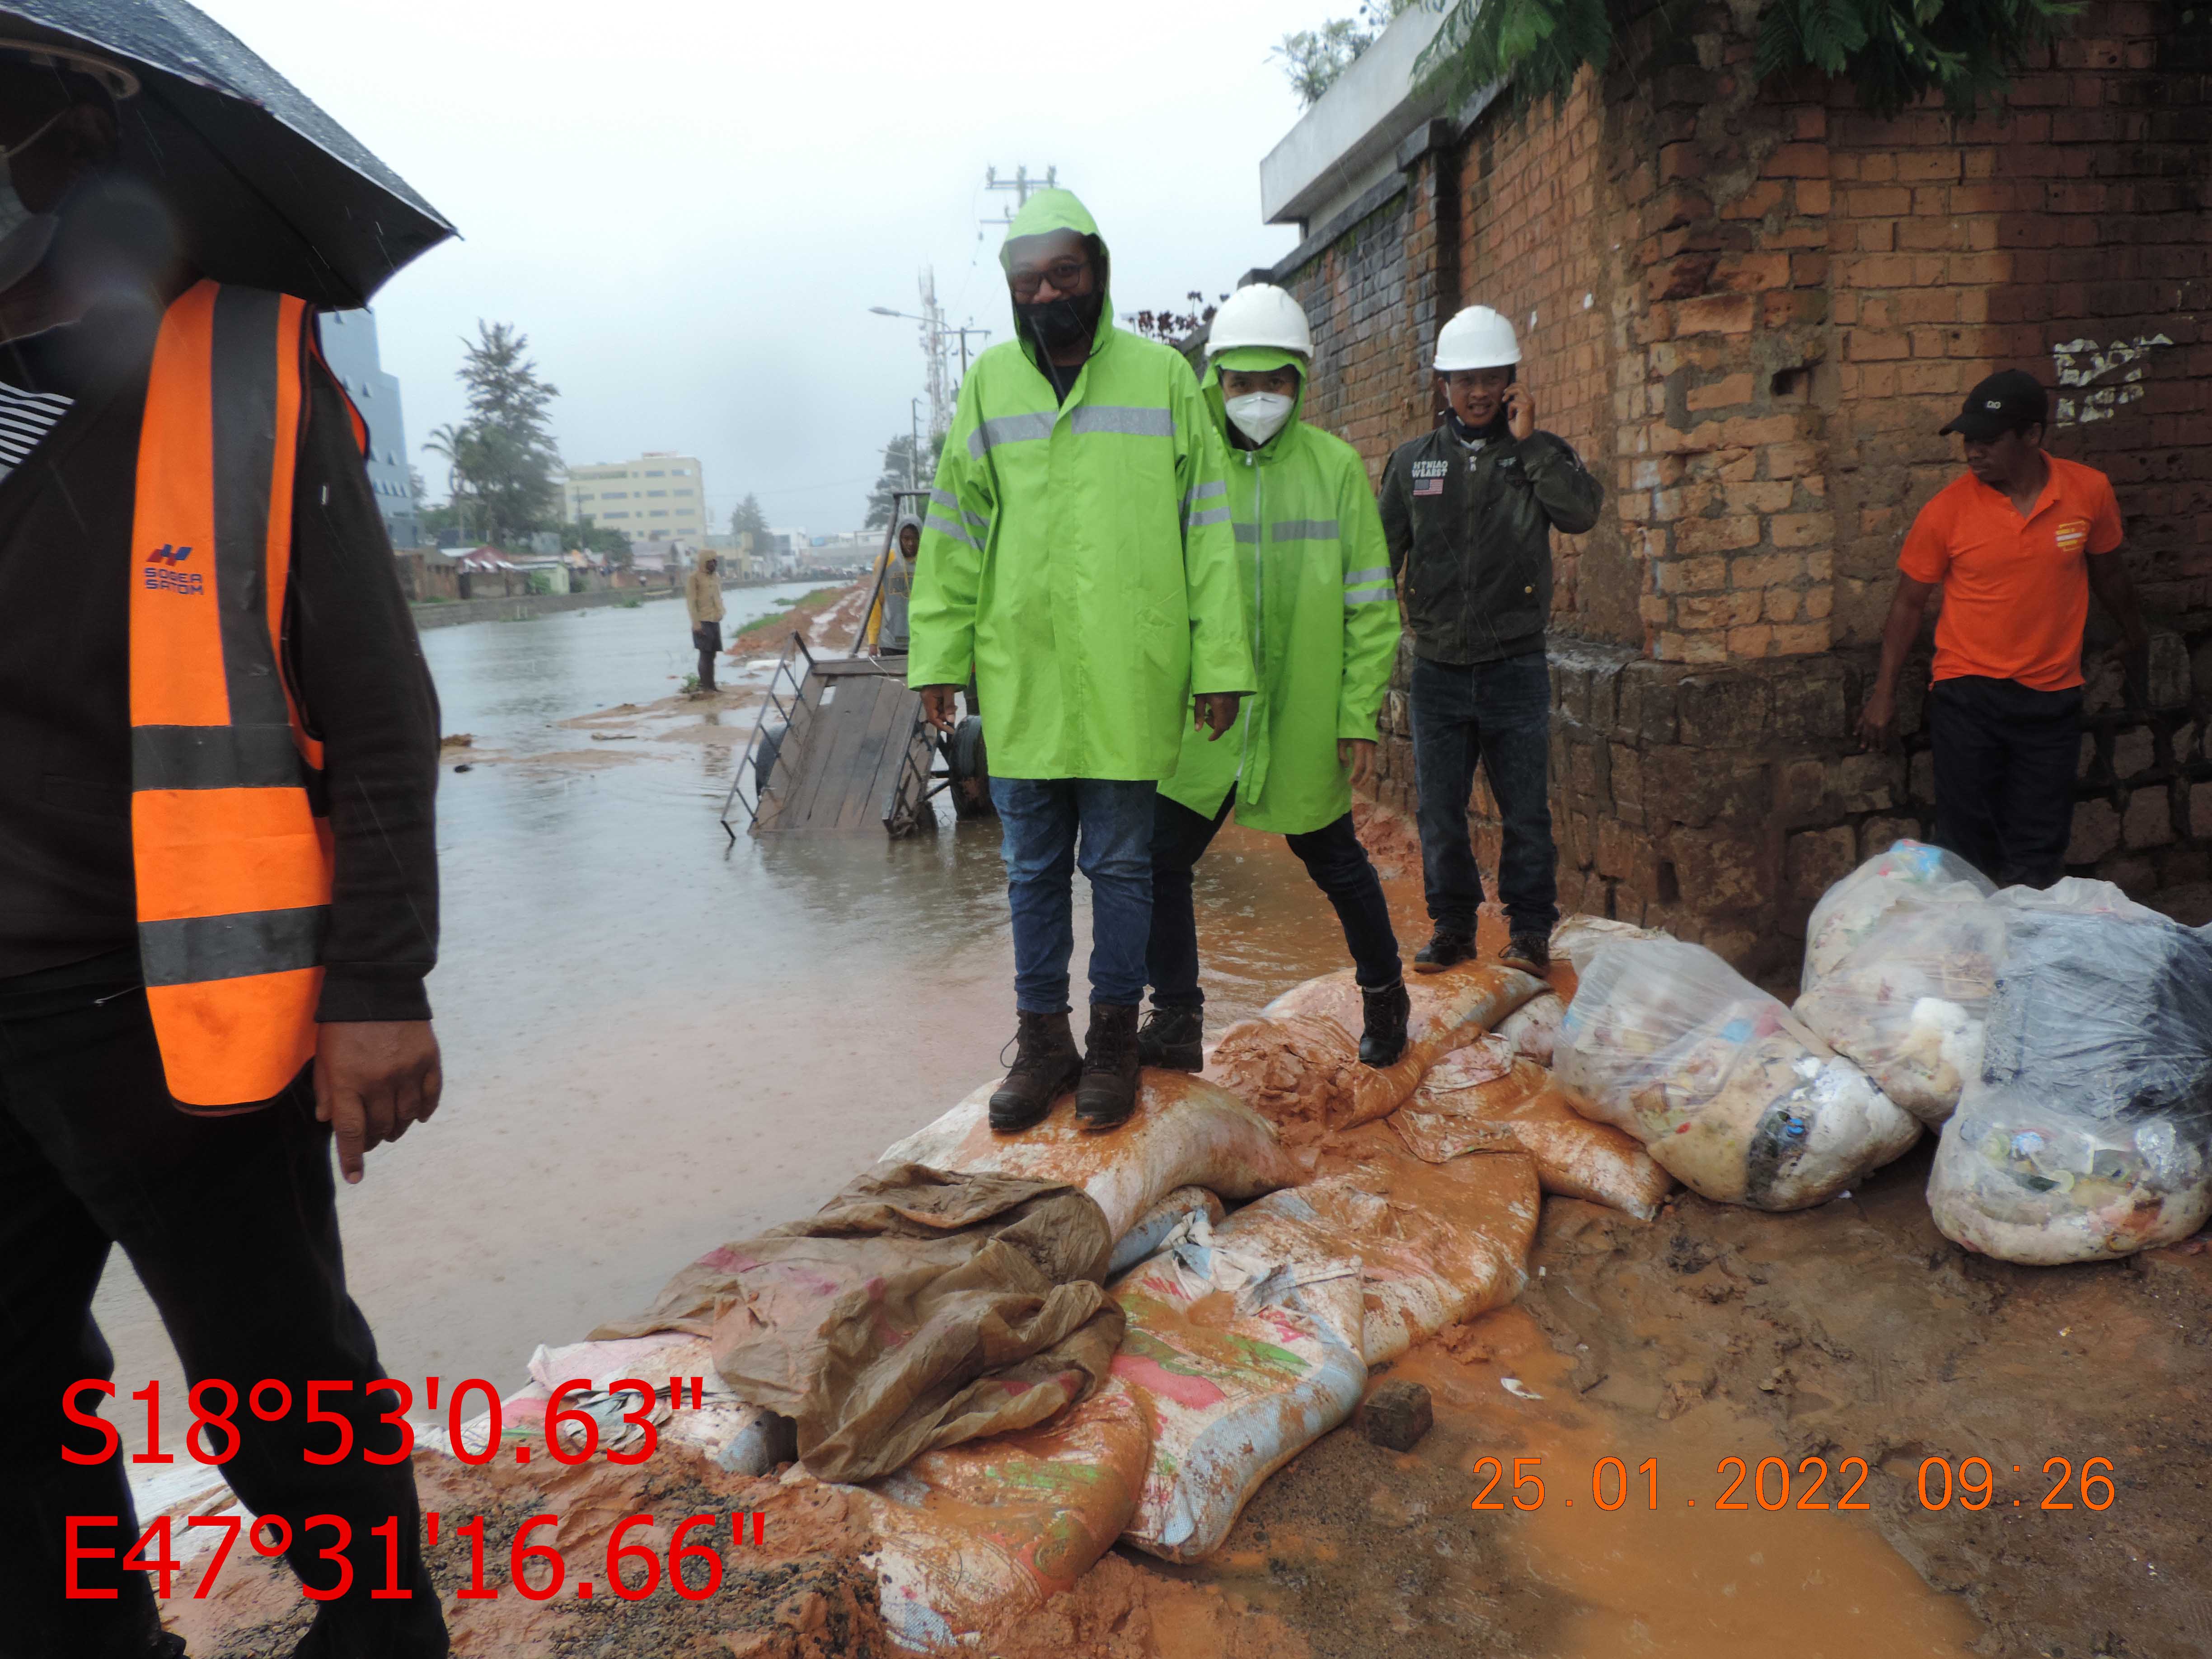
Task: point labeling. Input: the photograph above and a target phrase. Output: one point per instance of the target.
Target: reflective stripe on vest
(232, 859)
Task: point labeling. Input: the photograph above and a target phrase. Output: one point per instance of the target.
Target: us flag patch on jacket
(1429, 477)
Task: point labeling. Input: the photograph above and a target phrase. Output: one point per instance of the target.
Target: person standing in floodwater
(702, 597)
(1315, 580)
(888, 630)
(1078, 556)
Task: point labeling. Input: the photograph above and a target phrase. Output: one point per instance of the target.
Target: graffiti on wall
(2082, 365)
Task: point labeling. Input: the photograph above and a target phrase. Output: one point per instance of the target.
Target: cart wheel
(969, 761)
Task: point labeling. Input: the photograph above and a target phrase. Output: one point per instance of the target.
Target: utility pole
(1021, 184)
(932, 351)
(913, 453)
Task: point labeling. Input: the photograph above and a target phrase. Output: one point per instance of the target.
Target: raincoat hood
(1254, 360)
(1046, 211)
(904, 520)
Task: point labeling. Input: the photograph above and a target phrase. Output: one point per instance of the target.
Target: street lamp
(942, 328)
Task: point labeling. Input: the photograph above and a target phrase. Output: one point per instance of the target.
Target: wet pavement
(656, 1041)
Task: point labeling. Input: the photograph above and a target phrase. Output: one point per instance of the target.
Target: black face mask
(1061, 324)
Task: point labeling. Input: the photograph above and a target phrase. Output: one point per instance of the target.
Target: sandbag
(1725, 1089)
(1185, 1131)
(1151, 1233)
(1244, 1355)
(971, 1535)
(1534, 1027)
(1299, 1061)
(917, 1309)
(707, 1418)
(1437, 1244)
(2088, 1134)
(1484, 1098)
(1901, 957)
(1578, 939)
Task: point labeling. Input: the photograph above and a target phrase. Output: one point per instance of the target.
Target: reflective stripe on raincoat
(1314, 578)
(1077, 555)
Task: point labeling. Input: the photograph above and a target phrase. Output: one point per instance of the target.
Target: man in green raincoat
(1077, 557)
(1313, 580)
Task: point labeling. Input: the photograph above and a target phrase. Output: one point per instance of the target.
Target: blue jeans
(1500, 714)
(1044, 820)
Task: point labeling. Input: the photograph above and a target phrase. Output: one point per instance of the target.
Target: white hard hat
(1477, 338)
(1260, 315)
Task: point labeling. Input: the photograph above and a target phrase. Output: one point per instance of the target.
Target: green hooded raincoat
(1078, 554)
(1321, 614)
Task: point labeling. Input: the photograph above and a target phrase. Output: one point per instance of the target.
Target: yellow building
(657, 495)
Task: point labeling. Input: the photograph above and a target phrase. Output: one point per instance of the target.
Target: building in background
(349, 343)
(656, 497)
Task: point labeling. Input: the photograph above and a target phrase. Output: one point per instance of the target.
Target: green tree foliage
(586, 536)
(500, 461)
(1313, 58)
(1892, 51)
(746, 516)
(883, 500)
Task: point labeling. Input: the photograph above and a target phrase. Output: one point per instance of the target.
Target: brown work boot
(1108, 1093)
(1045, 1063)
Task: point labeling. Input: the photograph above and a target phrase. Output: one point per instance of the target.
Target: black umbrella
(267, 190)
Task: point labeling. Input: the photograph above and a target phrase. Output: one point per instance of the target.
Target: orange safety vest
(229, 823)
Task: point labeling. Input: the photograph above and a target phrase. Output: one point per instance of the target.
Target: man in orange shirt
(2016, 546)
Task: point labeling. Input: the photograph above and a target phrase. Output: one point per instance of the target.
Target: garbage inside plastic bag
(1186, 1132)
(1534, 1027)
(1484, 1098)
(991, 1527)
(1901, 957)
(1299, 1061)
(1152, 1228)
(1725, 1089)
(2088, 1134)
(1243, 1355)
(917, 1309)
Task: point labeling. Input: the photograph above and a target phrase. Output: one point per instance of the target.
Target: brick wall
(1750, 307)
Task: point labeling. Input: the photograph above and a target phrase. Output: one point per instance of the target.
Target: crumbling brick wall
(1750, 307)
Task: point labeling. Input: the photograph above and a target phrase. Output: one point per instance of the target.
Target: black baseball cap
(1999, 405)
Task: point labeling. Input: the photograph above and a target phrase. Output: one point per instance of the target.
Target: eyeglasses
(1066, 276)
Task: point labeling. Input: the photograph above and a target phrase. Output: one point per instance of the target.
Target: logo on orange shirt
(2072, 535)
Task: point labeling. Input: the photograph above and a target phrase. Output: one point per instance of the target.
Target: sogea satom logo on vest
(162, 574)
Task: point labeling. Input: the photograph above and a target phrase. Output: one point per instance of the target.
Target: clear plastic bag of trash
(2088, 1134)
(1579, 939)
(1901, 957)
(1726, 1090)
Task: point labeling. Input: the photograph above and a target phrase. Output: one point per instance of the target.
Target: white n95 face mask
(1259, 415)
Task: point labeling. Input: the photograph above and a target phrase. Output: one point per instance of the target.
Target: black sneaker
(1173, 1038)
(1445, 949)
(1530, 952)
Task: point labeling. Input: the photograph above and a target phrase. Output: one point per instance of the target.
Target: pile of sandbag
(1488, 1097)
(1298, 1063)
(1251, 1339)
(1901, 957)
(1724, 1088)
(2087, 1132)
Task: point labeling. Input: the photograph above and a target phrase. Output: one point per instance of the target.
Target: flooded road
(655, 1041)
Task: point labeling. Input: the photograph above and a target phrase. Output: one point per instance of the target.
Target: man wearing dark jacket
(218, 897)
(1468, 513)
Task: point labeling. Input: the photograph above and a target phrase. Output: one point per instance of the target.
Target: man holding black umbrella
(218, 885)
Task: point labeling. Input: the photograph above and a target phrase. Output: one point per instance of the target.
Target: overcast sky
(690, 205)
